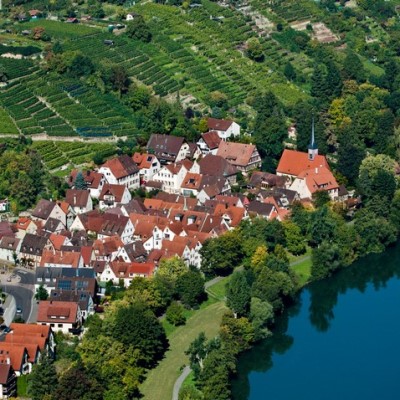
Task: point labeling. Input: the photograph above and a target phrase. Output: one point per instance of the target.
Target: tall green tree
(43, 380)
(80, 182)
(138, 29)
(238, 294)
(190, 288)
(353, 67)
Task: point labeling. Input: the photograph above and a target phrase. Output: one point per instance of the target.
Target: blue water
(340, 341)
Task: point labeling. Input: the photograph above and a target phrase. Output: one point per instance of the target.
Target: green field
(160, 381)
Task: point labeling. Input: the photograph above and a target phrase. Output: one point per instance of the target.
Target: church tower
(312, 147)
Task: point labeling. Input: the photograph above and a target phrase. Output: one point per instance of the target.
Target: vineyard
(58, 154)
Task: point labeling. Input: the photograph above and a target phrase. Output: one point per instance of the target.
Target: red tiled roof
(212, 139)
(145, 160)
(57, 240)
(293, 162)
(12, 352)
(218, 124)
(121, 166)
(60, 257)
(58, 312)
(320, 178)
(236, 153)
(115, 190)
(77, 198)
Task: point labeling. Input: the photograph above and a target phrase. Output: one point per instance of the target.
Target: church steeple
(312, 147)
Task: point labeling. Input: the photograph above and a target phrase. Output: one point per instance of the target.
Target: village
(101, 236)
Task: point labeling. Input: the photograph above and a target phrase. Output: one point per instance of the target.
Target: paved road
(22, 296)
(179, 381)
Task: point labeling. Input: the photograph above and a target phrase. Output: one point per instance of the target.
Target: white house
(168, 148)
(224, 127)
(61, 316)
(112, 195)
(148, 166)
(171, 177)
(79, 200)
(121, 171)
(209, 142)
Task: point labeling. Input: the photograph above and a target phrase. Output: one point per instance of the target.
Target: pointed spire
(312, 147)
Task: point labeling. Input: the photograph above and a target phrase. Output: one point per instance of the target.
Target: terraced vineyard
(58, 154)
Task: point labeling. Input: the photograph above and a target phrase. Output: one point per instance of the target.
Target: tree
(238, 294)
(189, 393)
(175, 314)
(320, 198)
(43, 379)
(222, 254)
(294, 239)
(41, 293)
(80, 182)
(75, 384)
(190, 288)
(138, 29)
(289, 71)
(319, 88)
(98, 158)
(261, 314)
(351, 152)
(353, 67)
(136, 326)
(254, 50)
(119, 79)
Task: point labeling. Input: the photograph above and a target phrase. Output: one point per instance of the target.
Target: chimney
(74, 198)
(316, 170)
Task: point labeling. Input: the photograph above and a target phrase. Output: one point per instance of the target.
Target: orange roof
(57, 312)
(236, 153)
(14, 353)
(236, 214)
(320, 178)
(23, 223)
(30, 329)
(121, 166)
(145, 160)
(60, 257)
(114, 190)
(191, 181)
(26, 339)
(64, 206)
(294, 162)
(57, 240)
(211, 139)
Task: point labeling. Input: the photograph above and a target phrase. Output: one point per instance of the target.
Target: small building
(209, 142)
(168, 148)
(121, 170)
(112, 195)
(224, 127)
(8, 382)
(244, 157)
(79, 200)
(61, 316)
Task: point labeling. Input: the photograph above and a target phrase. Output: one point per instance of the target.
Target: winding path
(178, 383)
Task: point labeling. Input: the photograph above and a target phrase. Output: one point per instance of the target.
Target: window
(60, 325)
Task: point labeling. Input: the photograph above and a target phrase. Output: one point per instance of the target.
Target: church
(307, 172)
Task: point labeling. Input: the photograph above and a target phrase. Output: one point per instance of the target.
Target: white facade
(110, 201)
(232, 131)
(126, 235)
(130, 181)
(171, 182)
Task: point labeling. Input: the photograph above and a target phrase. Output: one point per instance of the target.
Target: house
(7, 229)
(61, 316)
(116, 225)
(9, 248)
(43, 336)
(264, 210)
(168, 148)
(17, 356)
(212, 186)
(72, 20)
(148, 165)
(171, 176)
(224, 127)
(34, 14)
(213, 165)
(131, 16)
(94, 181)
(209, 142)
(265, 180)
(31, 249)
(117, 270)
(313, 180)
(53, 225)
(112, 195)
(8, 382)
(244, 157)
(4, 205)
(46, 209)
(61, 259)
(121, 170)
(194, 151)
(66, 278)
(79, 200)
(131, 252)
(106, 249)
(25, 225)
(191, 184)
(82, 297)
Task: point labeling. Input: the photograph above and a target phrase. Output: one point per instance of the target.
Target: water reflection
(375, 270)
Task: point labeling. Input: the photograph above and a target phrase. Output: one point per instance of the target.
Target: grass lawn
(160, 381)
(22, 384)
(218, 290)
(303, 270)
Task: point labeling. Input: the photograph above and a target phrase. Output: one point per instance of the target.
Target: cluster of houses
(76, 248)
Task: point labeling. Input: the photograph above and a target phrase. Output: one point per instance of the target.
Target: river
(341, 340)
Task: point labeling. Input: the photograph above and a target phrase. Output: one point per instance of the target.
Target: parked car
(1, 311)
(19, 310)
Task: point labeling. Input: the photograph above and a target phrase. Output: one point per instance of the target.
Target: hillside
(212, 57)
